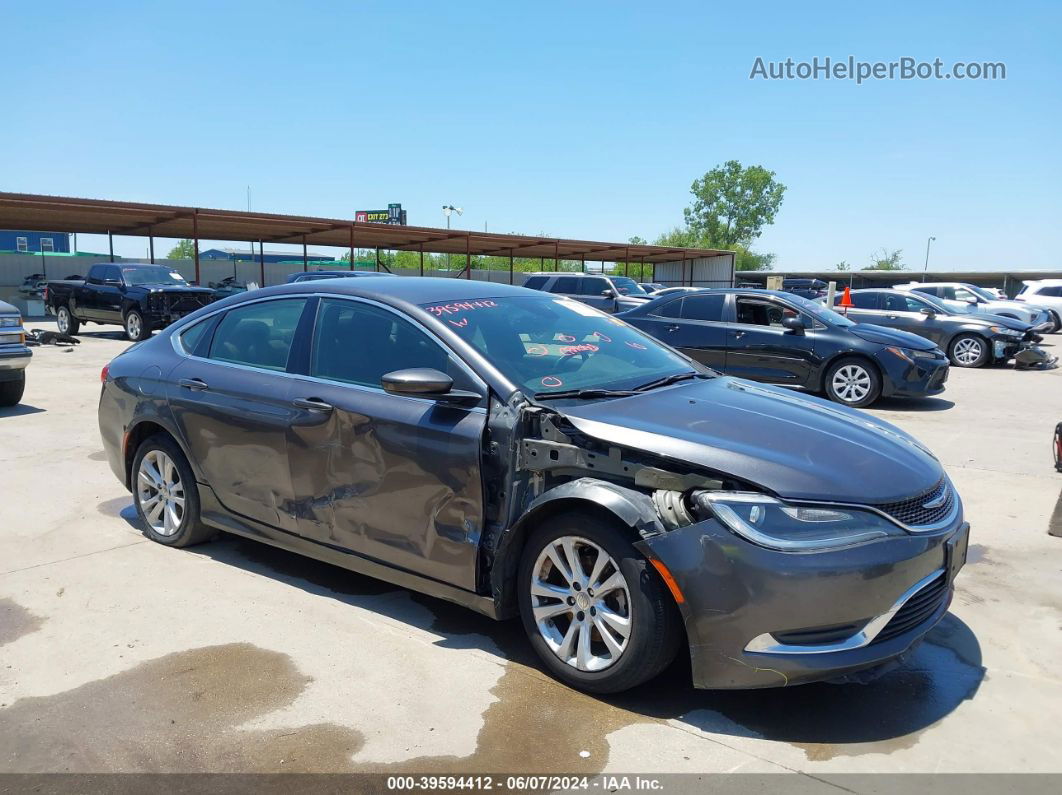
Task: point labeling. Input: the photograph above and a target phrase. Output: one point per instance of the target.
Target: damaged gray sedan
(524, 454)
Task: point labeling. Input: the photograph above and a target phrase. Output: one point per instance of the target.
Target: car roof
(397, 289)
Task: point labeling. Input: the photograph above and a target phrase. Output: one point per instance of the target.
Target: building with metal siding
(22, 241)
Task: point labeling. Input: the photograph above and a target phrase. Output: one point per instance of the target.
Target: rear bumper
(745, 604)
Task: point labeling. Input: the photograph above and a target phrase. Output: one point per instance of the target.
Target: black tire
(1056, 321)
(11, 391)
(964, 342)
(190, 530)
(64, 317)
(855, 397)
(140, 330)
(655, 623)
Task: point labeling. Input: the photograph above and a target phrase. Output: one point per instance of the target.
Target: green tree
(733, 204)
(744, 258)
(886, 261)
(843, 266)
(185, 249)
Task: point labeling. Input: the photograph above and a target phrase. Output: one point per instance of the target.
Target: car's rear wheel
(165, 494)
(853, 382)
(11, 391)
(969, 350)
(595, 611)
(1056, 321)
(135, 327)
(66, 322)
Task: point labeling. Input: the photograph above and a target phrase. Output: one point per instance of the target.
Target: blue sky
(572, 119)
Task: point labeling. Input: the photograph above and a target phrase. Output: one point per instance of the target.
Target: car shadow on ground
(879, 716)
(20, 410)
(912, 404)
(117, 334)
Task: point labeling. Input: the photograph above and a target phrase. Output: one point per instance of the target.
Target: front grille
(818, 636)
(186, 304)
(913, 511)
(916, 610)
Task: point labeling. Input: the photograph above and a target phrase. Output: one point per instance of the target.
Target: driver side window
(757, 312)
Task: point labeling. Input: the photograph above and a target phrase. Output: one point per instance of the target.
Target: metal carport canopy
(98, 216)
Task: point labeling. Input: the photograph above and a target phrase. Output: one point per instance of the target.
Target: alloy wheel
(160, 493)
(851, 383)
(133, 326)
(581, 603)
(63, 320)
(967, 351)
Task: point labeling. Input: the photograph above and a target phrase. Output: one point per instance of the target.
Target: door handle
(195, 384)
(892, 317)
(738, 334)
(673, 328)
(313, 404)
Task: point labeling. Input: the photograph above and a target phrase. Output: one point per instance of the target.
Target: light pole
(926, 268)
(447, 209)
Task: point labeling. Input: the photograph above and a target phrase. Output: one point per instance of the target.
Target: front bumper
(1004, 348)
(736, 593)
(13, 360)
(924, 377)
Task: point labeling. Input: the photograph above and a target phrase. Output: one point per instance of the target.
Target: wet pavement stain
(977, 553)
(175, 713)
(16, 621)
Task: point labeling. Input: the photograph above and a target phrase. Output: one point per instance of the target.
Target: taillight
(104, 373)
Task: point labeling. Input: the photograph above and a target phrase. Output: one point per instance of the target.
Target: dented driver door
(392, 478)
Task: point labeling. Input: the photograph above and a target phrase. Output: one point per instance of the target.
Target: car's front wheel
(165, 494)
(11, 391)
(853, 382)
(969, 350)
(595, 611)
(135, 327)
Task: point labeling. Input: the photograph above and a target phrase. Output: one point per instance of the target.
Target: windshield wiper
(584, 394)
(667, 380)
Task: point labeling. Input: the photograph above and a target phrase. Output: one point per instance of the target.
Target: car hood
(891, 336)
(998, 320)
(794, 445)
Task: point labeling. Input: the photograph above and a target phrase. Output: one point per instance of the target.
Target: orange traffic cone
(846, 299)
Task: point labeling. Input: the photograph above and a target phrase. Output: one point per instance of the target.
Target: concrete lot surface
(117, 654)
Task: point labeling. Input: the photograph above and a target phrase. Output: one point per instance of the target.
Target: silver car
(971, 298)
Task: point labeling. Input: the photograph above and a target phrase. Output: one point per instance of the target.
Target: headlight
(774, 524)
(909, 354)
(10, 322)
(1007, 332)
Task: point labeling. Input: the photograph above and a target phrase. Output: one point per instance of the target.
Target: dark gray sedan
(970, 340)
(524, 454)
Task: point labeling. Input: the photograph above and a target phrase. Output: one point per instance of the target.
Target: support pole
(377, 259)
(583, 260)
(510, 266)
(195, 243)
(305, 263)
(261, 262)
(352, 246)
(110, 242)
(421, 259)
(151, 247)
(556, 257)
(468, 256)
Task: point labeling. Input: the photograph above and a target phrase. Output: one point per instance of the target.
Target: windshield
(547, 344)
(982, 292)
(628, 286)
(147, 274)
(819, 311)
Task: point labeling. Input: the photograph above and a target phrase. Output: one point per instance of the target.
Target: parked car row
(524, 454)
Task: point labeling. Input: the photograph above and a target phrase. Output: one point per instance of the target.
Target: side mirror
(609, 293)
(925, 310)
(794, 324)
(426, 382)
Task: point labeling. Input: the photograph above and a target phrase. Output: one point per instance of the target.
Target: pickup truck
(139, 296)
(14, 355)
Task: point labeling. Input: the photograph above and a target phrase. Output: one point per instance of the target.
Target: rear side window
(358, 344)
(704, 307)
(868, 300)
(258, 335)
(1053, 292)
(535, 282)
(190, 338)
(96, 272)
(568, 285)
(669, 309)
